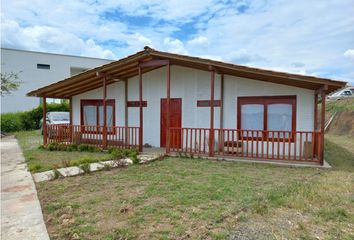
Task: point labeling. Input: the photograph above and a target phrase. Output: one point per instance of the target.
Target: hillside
(343, 123)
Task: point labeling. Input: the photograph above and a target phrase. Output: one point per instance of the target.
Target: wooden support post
(104, 140)
(221, 144)
(44, 122)
(71, 127)
(71, 110)
(126, 124)
(315, 123)
(323, 115)
(140, 110)
(211, 135)
(168, 93)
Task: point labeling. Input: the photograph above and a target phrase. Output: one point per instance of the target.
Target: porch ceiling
(128, 67)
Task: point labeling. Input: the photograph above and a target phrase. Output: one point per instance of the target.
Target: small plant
(53, 146)
(83, 148)
(41, 147)
(117, 153)
(35, 167)
(72, 148)
(106, 167)
(56, 174)
(134, 157)
(86, 168)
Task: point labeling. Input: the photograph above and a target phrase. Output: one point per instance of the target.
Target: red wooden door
(175, 121)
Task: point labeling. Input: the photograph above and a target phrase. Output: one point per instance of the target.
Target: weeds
(86, 168)
(56, 174)
(34, 167)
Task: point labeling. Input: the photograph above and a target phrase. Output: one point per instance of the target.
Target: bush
(11, 122)
(29, 120)
(72, 148)
(83, 148)
(53, 146)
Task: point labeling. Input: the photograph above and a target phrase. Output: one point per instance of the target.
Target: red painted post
(221, 142)
(315, 112)
(211, 135)
(71, 128)
(140, 110)
(126, 112)
(104, 140)
(323, 115)
(44, 123)
(168, 86)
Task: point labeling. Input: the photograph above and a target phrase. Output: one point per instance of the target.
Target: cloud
(199, 41)
(349, 54)
(286, 35)
(243, 56)
(44, 38)
(174, 45)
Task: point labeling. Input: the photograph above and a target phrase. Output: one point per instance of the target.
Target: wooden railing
(124, 137)
(271, 145)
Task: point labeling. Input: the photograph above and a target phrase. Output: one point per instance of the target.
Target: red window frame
(97, 103)
(265, 101)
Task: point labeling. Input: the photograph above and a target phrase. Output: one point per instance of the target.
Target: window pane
(279, 118)
(90, 115)
(252, 116)
(109, 115)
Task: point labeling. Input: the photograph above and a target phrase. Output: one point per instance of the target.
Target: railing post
(323, 115)
(211, 134)
(168, 88)
(44, 122)
(104, 130)
(71, 121)
(140, 110)
(126, 112)
(221, 133)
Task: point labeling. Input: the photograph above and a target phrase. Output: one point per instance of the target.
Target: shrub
(11, 122)
(29, 120)
(53, 146)
(83, 148)
(117, 153)
(72, 148)
(134, 157)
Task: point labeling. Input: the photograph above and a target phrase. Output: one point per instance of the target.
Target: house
(36, 69)
(190, 105)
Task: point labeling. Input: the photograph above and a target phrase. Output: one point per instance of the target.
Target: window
(43, 66)
(274, 115)
(92, 113)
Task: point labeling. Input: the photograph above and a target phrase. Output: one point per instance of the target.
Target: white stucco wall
(25, 63)
(192, 85)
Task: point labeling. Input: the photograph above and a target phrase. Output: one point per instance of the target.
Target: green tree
(9, 83)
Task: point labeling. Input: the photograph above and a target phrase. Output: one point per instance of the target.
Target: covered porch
(220, 142)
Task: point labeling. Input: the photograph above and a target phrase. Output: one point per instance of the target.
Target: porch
(286, 146)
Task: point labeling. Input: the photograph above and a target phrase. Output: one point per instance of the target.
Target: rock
(75, 236)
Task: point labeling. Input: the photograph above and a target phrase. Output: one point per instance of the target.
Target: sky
(311, 37)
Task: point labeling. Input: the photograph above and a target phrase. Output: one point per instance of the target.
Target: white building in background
(38, 69)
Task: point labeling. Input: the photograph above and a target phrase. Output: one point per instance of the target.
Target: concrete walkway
(21, 214)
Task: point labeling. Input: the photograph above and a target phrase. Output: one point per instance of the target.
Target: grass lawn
(204, 199)
(42, 160)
